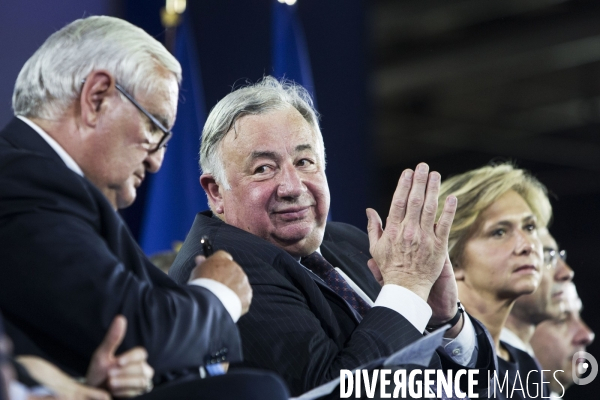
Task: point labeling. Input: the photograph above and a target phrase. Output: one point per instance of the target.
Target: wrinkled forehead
(279, 122)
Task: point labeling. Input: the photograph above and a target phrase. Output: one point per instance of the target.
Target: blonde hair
(479, 188)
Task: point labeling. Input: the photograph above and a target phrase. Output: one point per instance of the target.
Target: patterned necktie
(321, 267)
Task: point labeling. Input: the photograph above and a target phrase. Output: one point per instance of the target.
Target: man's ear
(98, 86)
(213, 191)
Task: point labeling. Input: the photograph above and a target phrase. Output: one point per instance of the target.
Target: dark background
(455, 83)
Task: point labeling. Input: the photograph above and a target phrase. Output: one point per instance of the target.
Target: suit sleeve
(63, 282)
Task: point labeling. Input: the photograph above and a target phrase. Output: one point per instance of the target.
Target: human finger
(135, 355)
(89, 393)
(374, 228)
(129, 386)
(221, 254)
(400, 198)
(442, 228)
(431, 202)
(416, 196)
(114, 337)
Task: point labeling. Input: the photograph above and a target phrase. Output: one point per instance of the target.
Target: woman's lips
(526, 268)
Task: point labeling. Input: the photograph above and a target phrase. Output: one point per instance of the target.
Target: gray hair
(269, 94)
(51, 79)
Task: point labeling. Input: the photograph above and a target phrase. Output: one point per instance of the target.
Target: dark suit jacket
(526, 384)
(297, 326)
(68, 266)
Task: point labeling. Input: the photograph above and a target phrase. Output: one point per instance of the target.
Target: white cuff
(463, 348)
(230, 300)
(406, 303)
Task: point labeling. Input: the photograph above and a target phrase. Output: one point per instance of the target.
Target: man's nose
(154, 160)
(584, 336)
(563, 272)
(290, 183)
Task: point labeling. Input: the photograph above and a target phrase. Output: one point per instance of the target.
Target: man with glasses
(547, 302)
(94, 106)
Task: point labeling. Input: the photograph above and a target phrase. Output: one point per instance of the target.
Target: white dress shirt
(462, 349)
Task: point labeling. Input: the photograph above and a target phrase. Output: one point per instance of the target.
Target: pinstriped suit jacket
(297, 326)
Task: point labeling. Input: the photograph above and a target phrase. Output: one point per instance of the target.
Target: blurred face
(502, 258)
(548, 301)
(555, 341)
(275, 166)
(124, 135)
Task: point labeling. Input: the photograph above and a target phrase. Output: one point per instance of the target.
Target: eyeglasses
(167, 134)
(551, 257)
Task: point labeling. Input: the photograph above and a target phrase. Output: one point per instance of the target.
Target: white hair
(269, 94)
(52, 78)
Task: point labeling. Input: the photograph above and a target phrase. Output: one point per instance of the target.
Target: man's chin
(126, 199)
(301, 243)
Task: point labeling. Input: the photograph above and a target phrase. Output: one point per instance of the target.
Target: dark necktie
(321, 267)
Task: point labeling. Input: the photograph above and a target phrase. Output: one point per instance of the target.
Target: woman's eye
(262, 169)
(530, 227)
(498, 232)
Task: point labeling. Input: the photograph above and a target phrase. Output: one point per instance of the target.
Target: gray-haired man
(94, 107)
(317, 308)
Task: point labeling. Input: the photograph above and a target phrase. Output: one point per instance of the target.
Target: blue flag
(290, 53)
(174, 194)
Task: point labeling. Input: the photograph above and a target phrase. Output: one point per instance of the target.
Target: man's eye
(305, 162)
(262, 169)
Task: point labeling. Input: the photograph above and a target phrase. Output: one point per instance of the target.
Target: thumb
(114, 336)
(374, 228)
(375, 271)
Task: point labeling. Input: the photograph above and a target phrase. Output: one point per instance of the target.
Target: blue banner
(174, 194)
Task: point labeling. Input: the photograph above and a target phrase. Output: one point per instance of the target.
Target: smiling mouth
(294, 213)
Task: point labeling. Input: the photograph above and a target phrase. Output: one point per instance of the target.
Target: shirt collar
(67, 159)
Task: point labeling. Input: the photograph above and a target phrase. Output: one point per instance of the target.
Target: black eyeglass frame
(167, 134)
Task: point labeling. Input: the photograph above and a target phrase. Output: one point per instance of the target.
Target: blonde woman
(497, 256)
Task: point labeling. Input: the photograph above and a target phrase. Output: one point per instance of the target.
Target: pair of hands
(412, 250)
(125, 375)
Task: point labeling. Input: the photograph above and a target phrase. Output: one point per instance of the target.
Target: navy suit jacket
(299, 327)
(68, 266)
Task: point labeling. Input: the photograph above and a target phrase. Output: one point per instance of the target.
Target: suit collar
(22, 136)
(62, 153)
